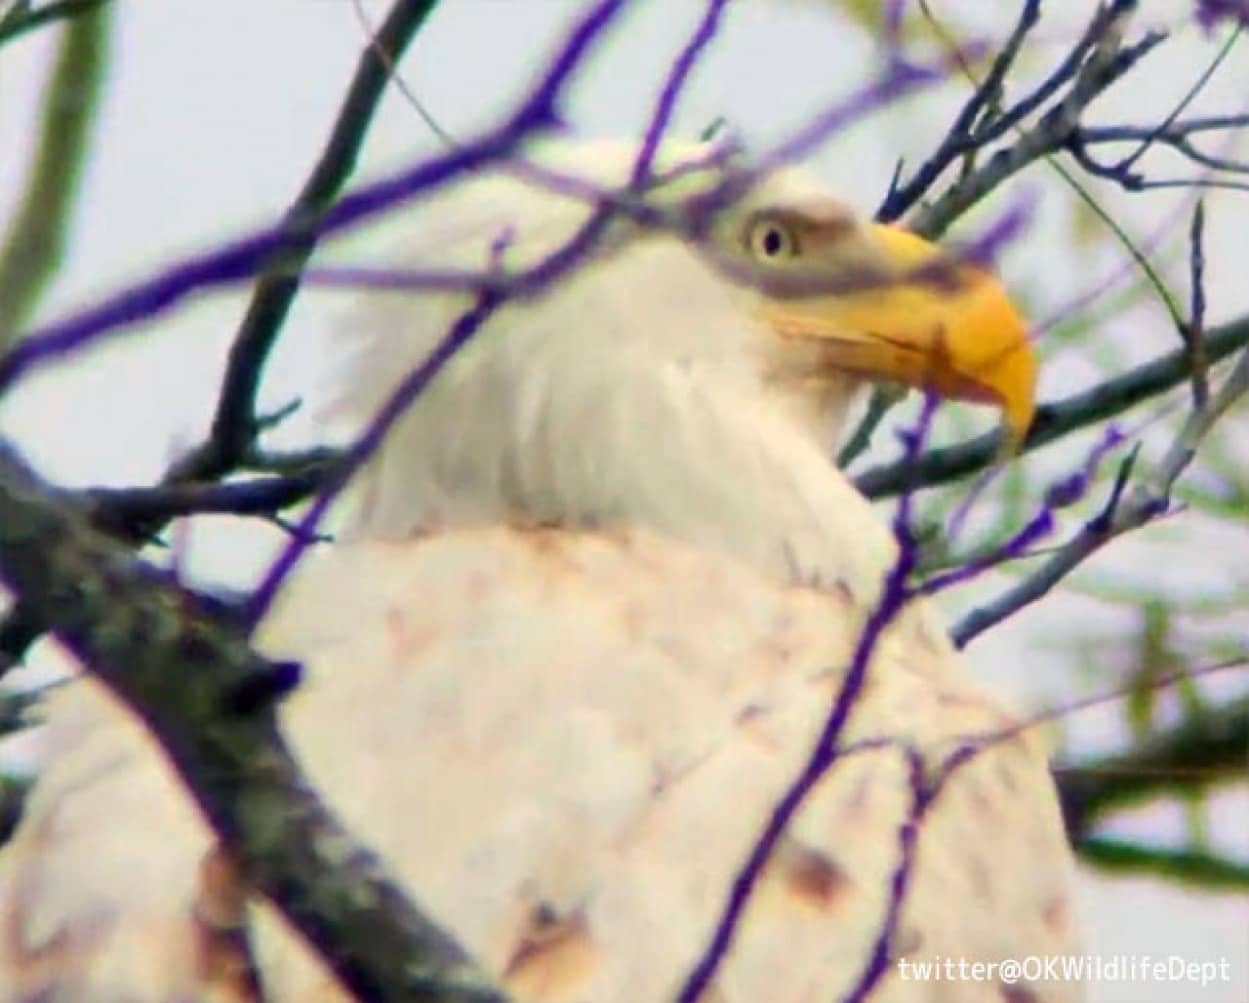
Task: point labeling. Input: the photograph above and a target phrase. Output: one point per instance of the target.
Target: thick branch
(209, 699)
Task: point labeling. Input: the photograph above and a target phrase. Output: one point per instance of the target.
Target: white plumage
(603, 586)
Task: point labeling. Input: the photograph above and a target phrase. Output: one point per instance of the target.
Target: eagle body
(593, 603)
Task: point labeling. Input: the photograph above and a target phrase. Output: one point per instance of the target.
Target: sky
(214, 113)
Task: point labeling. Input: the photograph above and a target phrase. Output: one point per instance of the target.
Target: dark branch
(254, 252)
(1092, 65)
(1105, 65)
(959, 141)
(1193, 332)
(181, 666)
(136, 512)
(234, 426)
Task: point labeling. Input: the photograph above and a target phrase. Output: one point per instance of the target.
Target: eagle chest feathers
(596, 596)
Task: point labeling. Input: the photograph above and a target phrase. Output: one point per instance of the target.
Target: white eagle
(594, 601)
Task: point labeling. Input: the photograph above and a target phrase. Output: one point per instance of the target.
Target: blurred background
(207, 117)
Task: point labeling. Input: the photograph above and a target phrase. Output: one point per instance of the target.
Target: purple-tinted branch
(685, 221)
(941, 273)
(266, 248)
(305, 530)
(1020, 543)
(922, 795)
(1128, 509)
(1212, 742)
(493, 289)
(1213, 12)
(1082, 65)
(122, 507)
(1202, 749)
(1226, 740)
(1175, 132)
(678, 75)
(824, 752)
(1059, 495)
(1134, 181)
(898, 80)
(218, 455)
(1168, 132)
(689, 219)
(1189, 97)
(130, 625)
(971, 497)
(490, 298)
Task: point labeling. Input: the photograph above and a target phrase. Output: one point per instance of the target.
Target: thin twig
(1128, 508)
(1106, 64)
(958, 139)
(234, 425)
(1193, 332)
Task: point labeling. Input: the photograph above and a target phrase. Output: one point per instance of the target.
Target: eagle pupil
(772, 243)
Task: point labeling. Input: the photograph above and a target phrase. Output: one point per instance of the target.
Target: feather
(600, 588)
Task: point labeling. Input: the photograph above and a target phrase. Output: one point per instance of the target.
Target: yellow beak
(959, 335)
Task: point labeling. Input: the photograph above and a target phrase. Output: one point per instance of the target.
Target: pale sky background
(215, 111)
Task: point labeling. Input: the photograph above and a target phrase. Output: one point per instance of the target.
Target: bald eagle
(590, 607)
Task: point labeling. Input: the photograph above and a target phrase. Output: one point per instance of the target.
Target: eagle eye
(770, 239)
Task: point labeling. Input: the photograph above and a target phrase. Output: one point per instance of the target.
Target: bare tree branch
(827, 750)
(959, 141)
(234, 426)
(1095, 63)
(1143, 502)
(188, 672)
